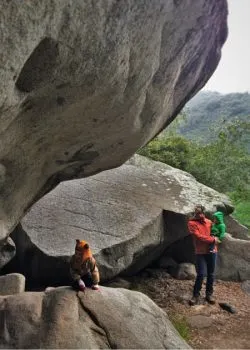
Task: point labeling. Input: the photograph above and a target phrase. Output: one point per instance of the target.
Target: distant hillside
(209, 112)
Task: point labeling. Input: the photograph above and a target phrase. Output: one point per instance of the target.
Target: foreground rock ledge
(12, 283)
(62, 318)
(84, 84)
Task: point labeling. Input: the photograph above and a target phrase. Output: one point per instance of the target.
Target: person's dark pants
(211, 247)
(87, 279)
(205, 263)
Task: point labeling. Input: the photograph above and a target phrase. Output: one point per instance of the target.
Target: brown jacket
(77, 270)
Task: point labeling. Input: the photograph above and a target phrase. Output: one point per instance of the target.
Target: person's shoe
(194, 301)
(210, 299)
(81, 285)
(95, 287)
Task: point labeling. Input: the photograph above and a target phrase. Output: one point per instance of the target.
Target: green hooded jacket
(219, 229)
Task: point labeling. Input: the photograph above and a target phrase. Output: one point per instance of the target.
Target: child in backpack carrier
(218, 228)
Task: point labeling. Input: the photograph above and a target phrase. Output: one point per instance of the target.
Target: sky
(233, 71)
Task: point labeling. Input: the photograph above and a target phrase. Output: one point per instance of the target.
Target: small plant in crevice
(181, 325)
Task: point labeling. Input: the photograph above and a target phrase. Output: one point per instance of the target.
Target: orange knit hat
(83, 247)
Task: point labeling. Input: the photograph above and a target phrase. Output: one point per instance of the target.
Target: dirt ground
(223, 331)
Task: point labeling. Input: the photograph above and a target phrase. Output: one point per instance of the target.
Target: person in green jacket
(218, 228)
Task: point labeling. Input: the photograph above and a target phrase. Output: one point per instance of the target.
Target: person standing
(200, 228)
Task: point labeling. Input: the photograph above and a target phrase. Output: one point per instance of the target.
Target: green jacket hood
(219, 216)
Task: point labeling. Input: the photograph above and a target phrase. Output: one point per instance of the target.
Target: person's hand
(81, 285)
(95, 287)
(216, 240)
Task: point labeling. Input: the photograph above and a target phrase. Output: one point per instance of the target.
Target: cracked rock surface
(129, 215)
(84, 84)
(234, 259)
(61, 318)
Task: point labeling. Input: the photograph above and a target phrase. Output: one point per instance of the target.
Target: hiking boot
(194, 300)
(210, 299)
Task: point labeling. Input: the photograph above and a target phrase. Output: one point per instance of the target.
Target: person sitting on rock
(83, 268)
(218, 228)
(200, 228)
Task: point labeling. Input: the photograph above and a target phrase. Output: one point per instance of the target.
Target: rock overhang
(86, 84)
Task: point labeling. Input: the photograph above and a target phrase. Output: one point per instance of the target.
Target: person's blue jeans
(205, 266)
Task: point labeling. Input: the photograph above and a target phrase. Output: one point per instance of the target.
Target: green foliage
(223, 164)
(170, 150)
(177, 123)
(242, 212)
(210, 112)
(181, 326)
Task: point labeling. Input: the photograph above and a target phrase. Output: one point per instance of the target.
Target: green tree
(223, 164)
(172, 150)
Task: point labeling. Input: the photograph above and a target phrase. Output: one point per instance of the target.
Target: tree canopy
(223, 164)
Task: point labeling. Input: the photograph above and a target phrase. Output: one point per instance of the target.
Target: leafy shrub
(223, 164)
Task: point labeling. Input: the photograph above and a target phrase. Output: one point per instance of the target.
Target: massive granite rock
(83, 84)
(129, 215)
(13, 283)
(63, 319)
(236, 229)
(234, 259)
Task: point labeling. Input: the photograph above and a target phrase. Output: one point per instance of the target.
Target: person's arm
(74, 272)
(76, 276)
(204, 238)
(214, 230)
(222, 231)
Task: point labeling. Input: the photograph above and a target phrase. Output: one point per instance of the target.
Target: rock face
(13, 283)
(234, 259)
(200, 321)
(86, 83)
(7, 251)
(186, 271)
(129, 215)
(233, 262)
(236, 229)
(246, 286)
(61, 318)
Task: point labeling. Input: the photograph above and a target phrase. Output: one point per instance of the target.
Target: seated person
(83, 267)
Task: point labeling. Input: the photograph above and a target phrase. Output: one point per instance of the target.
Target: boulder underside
(86, 83)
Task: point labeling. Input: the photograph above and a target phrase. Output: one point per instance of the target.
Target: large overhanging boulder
(129, 215)
(83, 84)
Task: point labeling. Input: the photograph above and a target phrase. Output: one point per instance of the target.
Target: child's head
(82, 249)
(199, 212)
